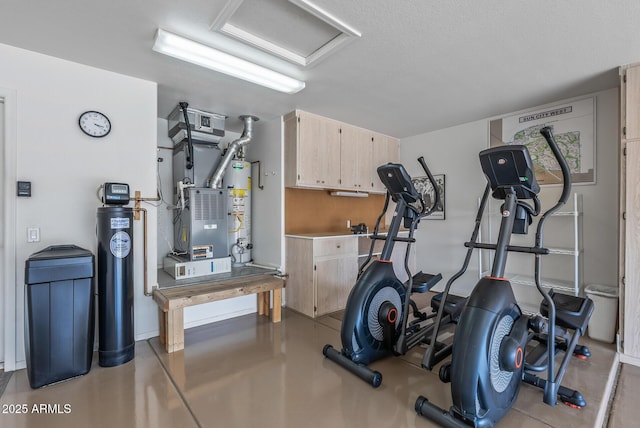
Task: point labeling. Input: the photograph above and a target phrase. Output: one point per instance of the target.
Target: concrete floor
(247, 372)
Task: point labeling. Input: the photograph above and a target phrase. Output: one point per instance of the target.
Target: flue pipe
(235, 145)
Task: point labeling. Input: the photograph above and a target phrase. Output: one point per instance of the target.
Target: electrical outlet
(33, 234)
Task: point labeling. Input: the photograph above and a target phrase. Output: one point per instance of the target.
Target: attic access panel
(295, 30)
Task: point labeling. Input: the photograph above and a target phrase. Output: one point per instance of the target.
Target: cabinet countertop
(324, 235)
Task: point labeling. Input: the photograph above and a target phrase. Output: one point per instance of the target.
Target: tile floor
(247, 372)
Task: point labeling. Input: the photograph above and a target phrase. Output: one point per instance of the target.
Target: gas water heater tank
(237, 182)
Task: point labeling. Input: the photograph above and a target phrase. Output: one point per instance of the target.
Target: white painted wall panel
(65, 166)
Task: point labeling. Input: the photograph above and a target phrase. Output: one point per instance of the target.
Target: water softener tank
(115, 285)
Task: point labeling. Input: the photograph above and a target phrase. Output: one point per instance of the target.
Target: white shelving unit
(571, 253)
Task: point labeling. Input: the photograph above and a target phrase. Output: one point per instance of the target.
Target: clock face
(94, 124)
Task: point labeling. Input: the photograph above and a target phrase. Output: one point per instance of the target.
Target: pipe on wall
(137, 210)
(235, 145)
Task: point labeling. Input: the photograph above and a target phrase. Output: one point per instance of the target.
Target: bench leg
(174, 330)
(261, 303)
(264, 302)
(267, 303)
(277, 305)
(162, 322)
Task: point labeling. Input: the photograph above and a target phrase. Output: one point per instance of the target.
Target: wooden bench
(172, 301)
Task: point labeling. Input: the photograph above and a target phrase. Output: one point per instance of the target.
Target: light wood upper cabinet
(327, 154)
(312, 151)
(631, 99)
(385, 149)
(356, 161)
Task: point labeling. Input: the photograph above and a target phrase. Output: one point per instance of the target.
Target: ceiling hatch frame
(347, 33)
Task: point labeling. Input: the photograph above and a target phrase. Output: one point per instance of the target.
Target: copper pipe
(144, 247)
(137, 211)
(139, 199)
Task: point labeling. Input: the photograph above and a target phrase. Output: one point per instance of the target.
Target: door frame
(9, 97)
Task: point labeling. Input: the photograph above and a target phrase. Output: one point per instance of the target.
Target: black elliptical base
(372, 377)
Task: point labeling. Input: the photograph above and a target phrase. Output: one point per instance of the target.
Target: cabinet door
(632, 103)
(355, 158)
(632, 253)
(385, 150)
(334, 280)
(299, 266)
(318, 157)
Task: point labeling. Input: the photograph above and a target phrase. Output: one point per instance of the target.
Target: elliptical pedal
(452, 306)
(423, 282)
(572, 312)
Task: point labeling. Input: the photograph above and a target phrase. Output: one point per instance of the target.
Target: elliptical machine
(490, 357)
(376, 318)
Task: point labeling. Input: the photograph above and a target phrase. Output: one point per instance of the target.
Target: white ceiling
(420, 65)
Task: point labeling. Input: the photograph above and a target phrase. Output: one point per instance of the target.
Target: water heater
(237, 182)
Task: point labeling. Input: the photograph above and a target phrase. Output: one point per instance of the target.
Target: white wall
(454, 152)
(2, 237)
(66, 167)
(267, 213)
(268, 203)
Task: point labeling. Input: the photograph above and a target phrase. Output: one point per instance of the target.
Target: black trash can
(59, 317)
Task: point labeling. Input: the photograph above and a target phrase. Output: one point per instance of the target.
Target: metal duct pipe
(236, 145)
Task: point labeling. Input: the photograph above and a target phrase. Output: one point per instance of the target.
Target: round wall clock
(94, 124)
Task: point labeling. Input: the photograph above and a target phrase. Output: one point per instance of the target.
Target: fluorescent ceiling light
(205, 56)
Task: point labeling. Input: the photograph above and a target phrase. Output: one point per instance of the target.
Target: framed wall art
(423, 185)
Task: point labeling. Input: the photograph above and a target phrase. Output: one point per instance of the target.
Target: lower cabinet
(321, 271)
(335, 278)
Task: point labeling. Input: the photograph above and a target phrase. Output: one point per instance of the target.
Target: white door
(8, 148)
(2, 243)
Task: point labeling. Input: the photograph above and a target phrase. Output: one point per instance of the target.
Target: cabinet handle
(338, 245)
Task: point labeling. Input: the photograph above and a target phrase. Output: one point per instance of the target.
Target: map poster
(573, 126)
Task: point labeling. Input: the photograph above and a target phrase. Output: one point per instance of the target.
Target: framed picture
(573, 127)
(423, 185)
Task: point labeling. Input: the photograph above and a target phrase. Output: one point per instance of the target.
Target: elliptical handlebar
(552, 385)
(436, 190)
(564, 167)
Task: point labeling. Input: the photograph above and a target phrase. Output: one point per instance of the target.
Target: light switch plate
(24, 189)
(33, 234)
